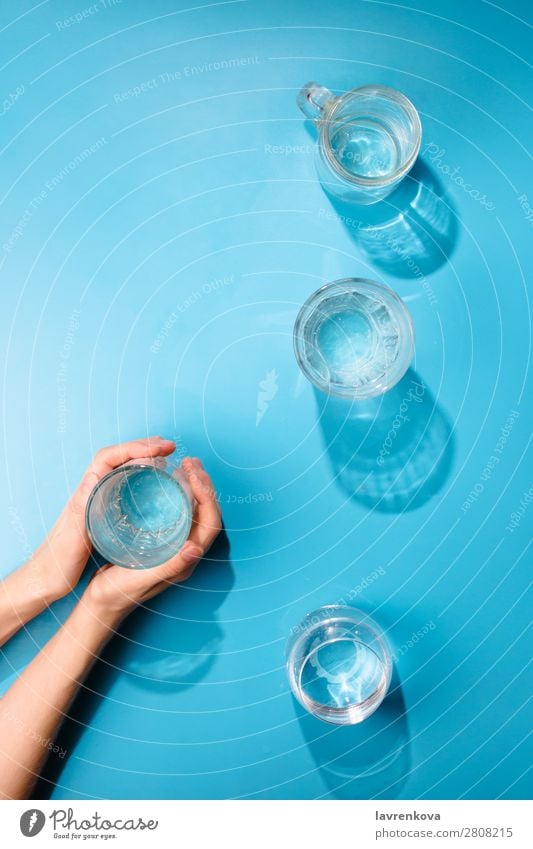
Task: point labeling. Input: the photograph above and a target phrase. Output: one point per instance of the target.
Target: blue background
(150, 285)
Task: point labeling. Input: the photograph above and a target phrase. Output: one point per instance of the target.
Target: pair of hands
(62, 557)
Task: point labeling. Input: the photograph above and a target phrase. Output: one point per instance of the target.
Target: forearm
(23, 595)
(33, 708)
(50, 573)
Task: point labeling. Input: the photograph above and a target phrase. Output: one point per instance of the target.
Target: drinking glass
(368, 139)
(338, 664)
(354, 338)
(140, 514)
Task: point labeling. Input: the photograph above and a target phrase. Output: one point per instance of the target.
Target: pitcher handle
(313, 99)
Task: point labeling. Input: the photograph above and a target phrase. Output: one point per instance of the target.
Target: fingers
(207, 521)
(109, 458)
(206, 526)
(182, 565)
(112, 456)
(201, 483)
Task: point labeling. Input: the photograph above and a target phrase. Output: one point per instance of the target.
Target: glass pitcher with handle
(368, 139)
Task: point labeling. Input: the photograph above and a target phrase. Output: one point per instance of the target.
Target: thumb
(182, 564)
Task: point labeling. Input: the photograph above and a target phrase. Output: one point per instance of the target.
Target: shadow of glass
(365, 761)
(156, 668)
(129, 651)
(409, 234)
(391, 453)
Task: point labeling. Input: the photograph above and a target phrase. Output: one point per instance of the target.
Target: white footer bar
(268, 824)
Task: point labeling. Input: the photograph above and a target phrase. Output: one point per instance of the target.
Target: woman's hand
(58, 563)
(114, 590)
(33, 707)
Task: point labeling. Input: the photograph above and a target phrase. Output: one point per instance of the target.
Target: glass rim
(142, 463)
(387, 93)
(373, 388)
(356, 711)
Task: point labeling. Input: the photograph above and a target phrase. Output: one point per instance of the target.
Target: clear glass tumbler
(369, 139)
(354, 338)
(338, 664)
(140, 514)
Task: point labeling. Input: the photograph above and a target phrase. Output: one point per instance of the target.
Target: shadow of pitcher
(409, 234)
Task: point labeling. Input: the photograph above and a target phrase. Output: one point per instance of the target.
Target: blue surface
(150, 285)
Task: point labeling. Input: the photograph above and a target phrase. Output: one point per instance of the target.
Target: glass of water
(354, 338)
(369, 139)
(338, 664)
(140, 514)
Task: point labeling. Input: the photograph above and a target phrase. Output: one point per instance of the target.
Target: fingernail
(191, 554)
